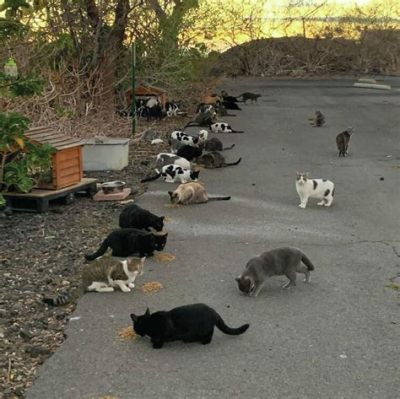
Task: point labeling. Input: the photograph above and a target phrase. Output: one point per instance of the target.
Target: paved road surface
(338, 337)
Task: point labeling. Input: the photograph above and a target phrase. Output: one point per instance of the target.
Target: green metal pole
(133, 103)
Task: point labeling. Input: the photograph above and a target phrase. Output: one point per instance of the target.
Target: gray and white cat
(322, 189)
(103, 275)
(286, 261)
(165, 158)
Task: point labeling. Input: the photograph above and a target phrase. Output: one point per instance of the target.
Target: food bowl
(113, 187)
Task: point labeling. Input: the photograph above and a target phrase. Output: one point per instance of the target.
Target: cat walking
(342, 141)
(321, 189)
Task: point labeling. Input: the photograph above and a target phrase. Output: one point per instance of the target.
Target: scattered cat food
(109, 397)
(167, 219)
(151, 287)
(127, 334)
(172, 206)
(164, 257)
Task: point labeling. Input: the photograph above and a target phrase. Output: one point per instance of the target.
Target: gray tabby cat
(103, 275)
(277, 262)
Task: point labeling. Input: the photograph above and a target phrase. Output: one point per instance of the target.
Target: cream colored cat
(192, 193)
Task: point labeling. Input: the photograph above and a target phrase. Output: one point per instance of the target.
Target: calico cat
(222, 127)
(190, 323)
(249, 96)
(129, 242)
(213, 160)
(103, 275)
(342, 141)
(314, 188)
(133, 216)
(192, 193)
(215, 144)
(165, 158)
(188, 152)
(174, 173)
(277, 262)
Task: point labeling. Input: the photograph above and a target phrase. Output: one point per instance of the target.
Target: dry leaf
(127, 334)
(151, 287)
(164, 257)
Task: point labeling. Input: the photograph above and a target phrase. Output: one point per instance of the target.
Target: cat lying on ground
(165, 158)
(215, 144)
(174, 173)
(103, 275)
(314, 188)
(222, 127)
(188, 152)
(190, 323)
(277, 262)
(214, 160)
(130, 242)
(192, 193)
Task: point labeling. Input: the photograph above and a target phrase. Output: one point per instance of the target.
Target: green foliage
(9, 28)
(14, 8)
(21, 86)
(16, 176)
(12, 129)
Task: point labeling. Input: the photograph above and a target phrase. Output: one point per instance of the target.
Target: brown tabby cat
(103, 275)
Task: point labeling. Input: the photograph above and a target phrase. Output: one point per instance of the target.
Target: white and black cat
(165, 158)
(133, 216)
(190, 323)
(285, 261)
(223, 127)
(130, 242)
(192, 193)
(173, 174)
(103, 275)
(321, 189)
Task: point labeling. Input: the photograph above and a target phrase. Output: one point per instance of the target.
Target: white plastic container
(105, 153)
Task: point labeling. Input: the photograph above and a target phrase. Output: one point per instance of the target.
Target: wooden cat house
(145, 92)
(67, 164)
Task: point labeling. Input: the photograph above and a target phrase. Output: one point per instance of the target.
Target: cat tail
(228, 148)
(307, 262)
(191, 124)
(237, 131)
(234, 163)
(155, 177)
(101, 251)
(229, 330)
(65, 297)
(219, 198)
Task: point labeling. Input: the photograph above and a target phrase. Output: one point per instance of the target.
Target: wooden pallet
(38, 200)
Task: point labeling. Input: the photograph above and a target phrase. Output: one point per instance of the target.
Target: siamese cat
(215, 144)
(128, 242)
(135, 216)
(342, 141)
(192, 193)
(174, 173)
(314, 188)
(285, 261)
(222, 127)
(190, 323)
(102, 275)
(214, 160)
(165, 158)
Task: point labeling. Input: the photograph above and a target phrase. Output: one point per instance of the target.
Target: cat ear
(147, 312)
(134, 317)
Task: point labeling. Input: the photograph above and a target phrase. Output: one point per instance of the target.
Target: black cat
(131, 242)
(136, 217)
(189, 152)
(190, 323)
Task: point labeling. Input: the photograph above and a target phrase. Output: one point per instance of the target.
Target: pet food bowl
(113, 187)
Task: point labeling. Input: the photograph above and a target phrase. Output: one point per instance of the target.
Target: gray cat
(277, 262)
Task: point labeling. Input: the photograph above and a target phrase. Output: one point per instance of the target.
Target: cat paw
(131, 285)
(125, 289)
(327, 204)
(302, 206)
(321, 203)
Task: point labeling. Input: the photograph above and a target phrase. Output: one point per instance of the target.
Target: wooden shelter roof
(48, 135)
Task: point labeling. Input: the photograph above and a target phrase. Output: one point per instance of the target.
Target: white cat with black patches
(223, 127)
(174, 173)
(184, 138)
(321, 189)
(165, 158)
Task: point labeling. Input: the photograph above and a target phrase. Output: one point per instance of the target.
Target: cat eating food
(223, 127)
(192, 193)
(103, 275)
(342, 141)
(215, 144)
(214, 160)
(322, 189)
(188, 152)
(136, 217)
(174, 173)
(285, 261)
(165, 158)
(190, 323)
(129, 242)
